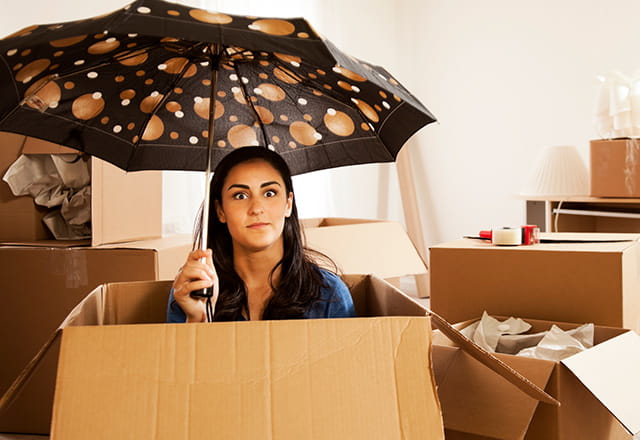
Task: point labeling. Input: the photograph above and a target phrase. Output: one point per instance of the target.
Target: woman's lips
(257, 225)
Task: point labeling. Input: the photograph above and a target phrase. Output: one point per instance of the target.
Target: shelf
(597, 213)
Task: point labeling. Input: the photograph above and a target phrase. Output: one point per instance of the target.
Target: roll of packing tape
(507, 236)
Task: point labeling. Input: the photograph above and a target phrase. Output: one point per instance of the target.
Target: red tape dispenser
(525, 235)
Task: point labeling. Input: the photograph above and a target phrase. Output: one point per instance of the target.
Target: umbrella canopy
(135, 88)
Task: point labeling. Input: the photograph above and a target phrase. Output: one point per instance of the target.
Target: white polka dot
(125, 102)
(12, 52)
(317, 135)
(78, 62)
(386, 105)
(204, 63)
(27, 79)
(355, 101)
(255, 143)
(235, 90)
(179, 114)
(162, 66)
(271, 147)
(144, 10)
(331, 111)
(198, 99)
(92, 75)
(302, 101)
(295, 64)
(233, 77)
(336, 69)
(253, 27)
(245, 80)
(53, 104)
(132, 35)
(257, 91)
(381, 76)
(117, 128)
(110, 40)
(96, 95)
(193, 140)
(355, 89)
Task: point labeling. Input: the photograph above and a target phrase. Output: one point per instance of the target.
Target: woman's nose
(256, 207)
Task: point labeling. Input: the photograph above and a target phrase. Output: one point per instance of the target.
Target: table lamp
(559, 172)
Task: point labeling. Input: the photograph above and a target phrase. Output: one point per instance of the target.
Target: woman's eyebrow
(273, 182)
(262, 185)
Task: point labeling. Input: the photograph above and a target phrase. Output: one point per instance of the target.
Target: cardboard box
(615, 168)
(598, 390)
(178, 378)
(571, 282)
(368, 246)
(41, 285)
(124, 206)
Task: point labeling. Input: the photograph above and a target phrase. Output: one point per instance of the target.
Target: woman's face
(254, 204)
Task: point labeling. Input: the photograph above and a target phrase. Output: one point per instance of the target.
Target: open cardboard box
(598, 390)
(569, 282)
(368, 246)
(366, 377)
(124, 206)
(41, 285)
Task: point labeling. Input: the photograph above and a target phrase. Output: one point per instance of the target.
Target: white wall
(505, 79)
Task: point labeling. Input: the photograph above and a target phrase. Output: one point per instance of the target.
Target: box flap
(378, 247)
(339, 378)
(610, 370)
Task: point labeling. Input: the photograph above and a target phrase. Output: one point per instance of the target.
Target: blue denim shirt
(335, 301)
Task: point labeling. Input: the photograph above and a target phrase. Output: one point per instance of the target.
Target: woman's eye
(239, 196)
(270, 193)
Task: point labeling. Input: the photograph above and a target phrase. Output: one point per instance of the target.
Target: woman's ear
(289, 207)
(219, 212)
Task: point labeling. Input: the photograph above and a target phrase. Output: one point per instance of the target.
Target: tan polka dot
(178, 90)
(169, 40)
(131, 126)
(135, 139)
(263, 76)
(104, 120)
(382, 94)
(174, 135)
(242, 136)
(239, 96)
(377, 107)
(271, 92)
(308, 117)
(54, 67)
(313, 76)
(149, 104)
(303, 133)
(58, 53)
(273, 26)
(221, 94)
(365, 126)
(173, 106)
(328, 87)
(366, 109)
(140, 73)
(119, 78)
(349, 74)
(49, 93)
(264, 63)
(103, 47)
(173, 13)
(321, 72)
(284, 118)
(69, 41)
(134, 58)
(286, 75)
(202, 109)
(26, 52)
(303, 35)
(206, 82)
(127, 94)
(265, 115)
(317, 93)
(153, 130)
(18, 66)
(148, 81)
(339, 123)
(393, 81)
(288, 58)
(227, 67)
(178, 64)
(210, 17)
(130, 45)
(32, 69)
(222, 144)
(86, 107)
(275, 139)
(99, 36)
(69, 85)
(344, 85)
(293, 145)
(233, 118)
(397, 98)
(205, 134)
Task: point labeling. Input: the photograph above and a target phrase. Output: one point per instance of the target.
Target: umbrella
(162, 86)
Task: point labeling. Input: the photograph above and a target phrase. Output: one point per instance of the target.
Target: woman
(256, 264)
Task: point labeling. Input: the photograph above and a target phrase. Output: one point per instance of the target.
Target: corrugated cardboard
(376, 382)
(124, 206)
(615, 168)
(41, 285)
(367, 246)
(570, 282)
(599, 391)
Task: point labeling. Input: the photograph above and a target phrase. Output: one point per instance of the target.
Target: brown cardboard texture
(124, 206)
(569, 282)
(614, 170)
(41, 286)
(365, 246)
(599, 391)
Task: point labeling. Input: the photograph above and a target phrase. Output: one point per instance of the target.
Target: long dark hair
(300, 279)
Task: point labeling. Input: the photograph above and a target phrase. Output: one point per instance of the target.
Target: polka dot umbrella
(157, 85)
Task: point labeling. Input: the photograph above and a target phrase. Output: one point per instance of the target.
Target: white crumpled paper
(507, 337)
(59, 181)
(617, 112)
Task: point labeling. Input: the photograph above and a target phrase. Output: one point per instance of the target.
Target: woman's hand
(195, 275)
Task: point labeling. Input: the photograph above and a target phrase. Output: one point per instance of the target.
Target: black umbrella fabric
(135, 87)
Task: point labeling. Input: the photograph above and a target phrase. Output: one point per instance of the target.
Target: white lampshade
(559, 172)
